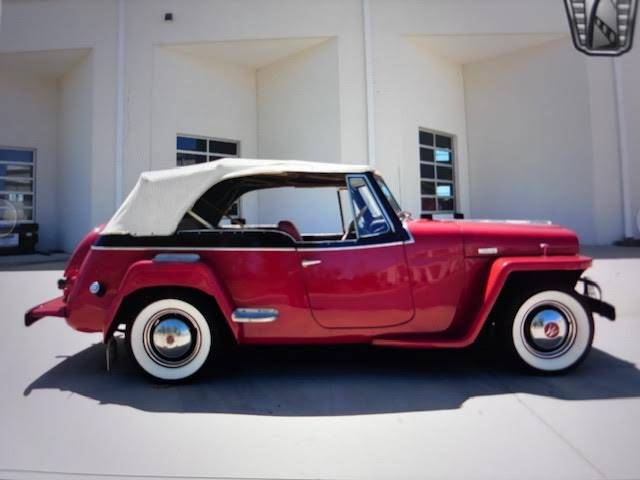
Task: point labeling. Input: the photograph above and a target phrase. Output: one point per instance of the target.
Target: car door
(361, 282)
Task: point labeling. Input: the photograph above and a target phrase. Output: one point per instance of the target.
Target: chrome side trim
(488, 251)
(254, 315)
(249, 249)
(508, 221)
(177, 257)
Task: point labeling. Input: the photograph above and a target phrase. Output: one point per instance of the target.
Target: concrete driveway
(317, 413)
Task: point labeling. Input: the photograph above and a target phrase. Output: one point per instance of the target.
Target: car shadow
(331, 381)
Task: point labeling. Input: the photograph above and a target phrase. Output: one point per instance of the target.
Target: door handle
(310, 263)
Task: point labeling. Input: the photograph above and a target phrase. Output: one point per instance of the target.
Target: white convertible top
(161, 198)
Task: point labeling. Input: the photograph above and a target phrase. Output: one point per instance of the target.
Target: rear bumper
(52, 308)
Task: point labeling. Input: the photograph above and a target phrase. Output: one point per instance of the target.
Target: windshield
(389, 196)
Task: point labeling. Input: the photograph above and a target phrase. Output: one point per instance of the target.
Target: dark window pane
(194, 144)
(17, 214)
(444, 190)
(18, 200)
(445, 204)
(16, 170)
(444, 156)
(445, 173)
(426, 171)
(443, 142)
(226, 148)
(16, 185)
(426, 138)
(213, 158)
(23, 156)
(427, 188)
(428, 204)
(184, 159)
(426, 155)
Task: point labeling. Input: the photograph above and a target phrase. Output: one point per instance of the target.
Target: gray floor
(318, 413)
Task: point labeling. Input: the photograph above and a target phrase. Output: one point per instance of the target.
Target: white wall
(413, 88)
(529, 136)
(299, 118)
(194, 97)
(298, 106)
(416, 88)
(74, 175)
(631, 79)
(76, 24)
(311, 210)
(28, 118)
(201, 21)
(606, 187)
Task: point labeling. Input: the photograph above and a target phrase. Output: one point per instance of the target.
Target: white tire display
(170, 339)
(552, 331)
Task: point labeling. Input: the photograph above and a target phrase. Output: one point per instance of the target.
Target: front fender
(500, 271)
(150, 273)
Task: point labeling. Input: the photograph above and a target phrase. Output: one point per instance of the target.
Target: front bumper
(53, 308)
(592, 296)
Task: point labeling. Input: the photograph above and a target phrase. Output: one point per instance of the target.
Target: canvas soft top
(160, 198)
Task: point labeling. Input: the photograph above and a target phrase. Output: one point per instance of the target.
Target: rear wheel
(547, 331)
(171, 338)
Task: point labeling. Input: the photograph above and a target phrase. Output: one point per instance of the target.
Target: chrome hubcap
(171, 338)
(548, 330)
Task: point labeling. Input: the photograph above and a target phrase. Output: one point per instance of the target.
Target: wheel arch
(148, 280)
(509, 274)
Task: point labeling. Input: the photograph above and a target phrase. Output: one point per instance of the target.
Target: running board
(254, 315)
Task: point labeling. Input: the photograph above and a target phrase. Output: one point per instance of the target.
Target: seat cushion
(288, 227)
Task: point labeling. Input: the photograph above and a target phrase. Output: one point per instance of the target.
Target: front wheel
(170, 339)
(549, 331)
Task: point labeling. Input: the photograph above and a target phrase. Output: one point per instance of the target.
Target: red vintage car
(181, 272)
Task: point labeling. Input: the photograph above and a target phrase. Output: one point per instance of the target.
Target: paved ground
(314, 413)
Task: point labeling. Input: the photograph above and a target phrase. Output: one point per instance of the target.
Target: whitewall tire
(550, 331)
(170, 339)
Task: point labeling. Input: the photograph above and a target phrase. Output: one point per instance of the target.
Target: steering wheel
(352, 225)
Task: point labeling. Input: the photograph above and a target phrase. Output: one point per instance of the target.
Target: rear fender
(152, 274)
(499, 273)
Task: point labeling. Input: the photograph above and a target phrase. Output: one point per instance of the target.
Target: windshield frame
(388, 194)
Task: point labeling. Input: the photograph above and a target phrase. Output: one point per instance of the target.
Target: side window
(314, 211)
(367, 212)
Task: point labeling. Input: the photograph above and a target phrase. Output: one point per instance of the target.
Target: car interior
(360, 214)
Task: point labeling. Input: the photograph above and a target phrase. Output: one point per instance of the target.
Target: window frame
(396, 234)
(376, 198)
(32, 178)
(453, 182)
